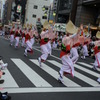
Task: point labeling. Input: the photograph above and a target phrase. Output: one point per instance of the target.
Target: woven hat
(71, 28)
(86, 32)
(46, 25)
(98, 34)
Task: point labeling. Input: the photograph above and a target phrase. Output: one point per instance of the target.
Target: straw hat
(98, 34)
(86, 32)
(71, 28)
(46, 25)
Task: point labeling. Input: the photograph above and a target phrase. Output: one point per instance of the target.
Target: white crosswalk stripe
(37, 80)
(79, 75)
(49, 90)
(87, 71)
(8, 80)
(87, 65)
(53, 73)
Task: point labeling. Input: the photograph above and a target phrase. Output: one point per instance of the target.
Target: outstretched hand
(81, 26)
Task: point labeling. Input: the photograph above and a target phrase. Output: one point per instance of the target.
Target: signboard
(51, 21)
(60, 27)
(19, 8)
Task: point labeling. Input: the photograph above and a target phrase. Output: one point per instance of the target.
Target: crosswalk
(54, 74)
(37, 80)
(83, 75)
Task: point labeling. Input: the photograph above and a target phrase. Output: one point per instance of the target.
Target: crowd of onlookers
(5, 31)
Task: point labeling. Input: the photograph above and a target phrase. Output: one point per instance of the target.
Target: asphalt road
(26, 90)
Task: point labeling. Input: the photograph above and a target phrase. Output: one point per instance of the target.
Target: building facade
(88, 12)
(18, 10)
(2, 6)
(55, 2)
(66, 10)
(10, 11)
(34, 11)
(7, 11)
(55, 9)
(0, 9)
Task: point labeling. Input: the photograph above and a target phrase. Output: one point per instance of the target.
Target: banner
(60, 27)
(19, 9)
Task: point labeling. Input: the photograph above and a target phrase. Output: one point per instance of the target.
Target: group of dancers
(71, 41)
(69, 48)
(27, 37)
(69, 51)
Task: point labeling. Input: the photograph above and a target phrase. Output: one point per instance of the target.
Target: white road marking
(87, 71)
(37, 80)
(56, 89)
(78, 75)
(87, 65)
(53, 73)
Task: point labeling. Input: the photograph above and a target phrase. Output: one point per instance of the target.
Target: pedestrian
(67, 63)
(51, 37)
(43, 45)
(23, 36)
(5, 96)
(85, 48)
(74, 50)
(32, 36)
(12, 32)
(97, 54)
(17, 36)
(28, 43)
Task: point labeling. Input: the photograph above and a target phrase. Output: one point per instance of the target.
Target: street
(25, 80)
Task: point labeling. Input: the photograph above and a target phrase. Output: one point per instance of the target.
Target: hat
(46, 25)
(86, 32)
(43, 29)
(98, 34)
(71, 28)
